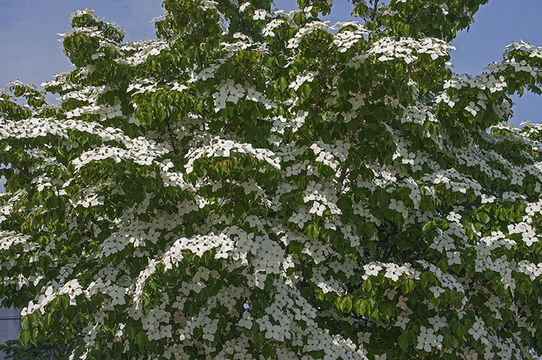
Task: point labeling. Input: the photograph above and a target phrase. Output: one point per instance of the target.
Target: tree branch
(198, 50)
(232, 199)
(375, 8)
(23, 172)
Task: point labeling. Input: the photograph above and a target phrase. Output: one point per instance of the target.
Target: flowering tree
(257, 183)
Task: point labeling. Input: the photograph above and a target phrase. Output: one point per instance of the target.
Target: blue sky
(31, 52)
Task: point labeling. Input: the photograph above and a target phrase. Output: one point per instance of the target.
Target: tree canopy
(261, 184)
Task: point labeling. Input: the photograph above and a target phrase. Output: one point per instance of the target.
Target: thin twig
(375, 7)
(23, 172)
(194, 32)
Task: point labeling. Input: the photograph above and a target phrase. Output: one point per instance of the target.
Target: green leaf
(403, 341)
(312, 231)
(269, 351)
(238, 210)
(407, 285)
(282, 84)
(24, 337)
(258, 338)
(425, 279)
(361, 307)
(142, 340)
(367, 286)
(346, 304)
(450, 341)
(525, 288)
(366, 230)
(484, 217)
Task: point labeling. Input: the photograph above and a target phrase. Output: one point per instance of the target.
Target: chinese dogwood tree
(262, 184)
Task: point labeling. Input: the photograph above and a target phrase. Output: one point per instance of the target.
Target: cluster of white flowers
(153, 324)
(260, 251)
(475, 157)
(268, 29)
(88, 94)
(174, 178)
(478, 329)
(223, 148)
(534, 51)
(310, 337)
(447, 280)
(104, 283)
(240, 347)
(307, 29)
(30, 128)
(137, 148)
(393, 271)
(416, 160)
(460, 184)
(60, 81)
(7, 203)
(82, 12)
(331, 154)
(522, 66)
(357, 101)
(143, 50)
(298, 168)
(327, 283)
(533, 271)
(321, 200)
(444, 242)
(316, 250)
(286, 151)
(389, 48)
(105, 112)
(89, 201)
(484, 81)
(71, 288)
(501, 265)
(206, 73)
(445, 98)
(86, 31)
(306, 76)
(244, 43)
(9, 239)
(531, 210)
(267, 256)
(300, 217)
(115, 153)
(90, 332)
(259, 14)
(418, 114)
(135, 232)
(403, 317)
(400, 207)
(383, 177)
(428, 339)
(208, 5)
(528, 233)
(231, 92)
(142, 86)
(344, 40)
